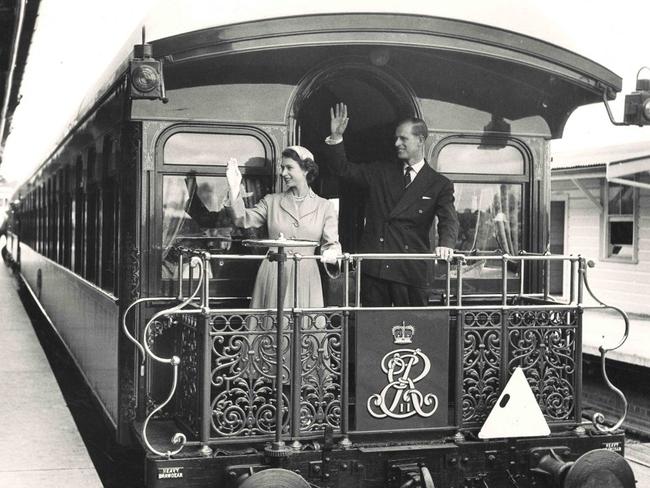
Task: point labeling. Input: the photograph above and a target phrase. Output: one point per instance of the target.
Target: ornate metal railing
(230, 377)
(543, 342)
(243, 373)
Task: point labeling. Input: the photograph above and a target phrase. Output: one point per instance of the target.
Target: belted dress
(314, 219)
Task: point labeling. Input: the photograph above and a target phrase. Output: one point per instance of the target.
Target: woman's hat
(302, 152)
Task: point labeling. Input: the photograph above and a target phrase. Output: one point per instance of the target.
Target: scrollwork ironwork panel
(540, 341)
(543, 344)
(187, 405)
(244, 369)
(482, 344)
(321, 371)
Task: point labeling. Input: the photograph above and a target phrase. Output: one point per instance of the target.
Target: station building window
(620, 223)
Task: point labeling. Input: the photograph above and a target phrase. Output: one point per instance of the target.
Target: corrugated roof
(599, 156)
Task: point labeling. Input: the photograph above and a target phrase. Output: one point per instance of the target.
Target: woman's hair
(306, 164)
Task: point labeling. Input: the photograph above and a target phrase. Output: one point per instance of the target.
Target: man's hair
(418, 126)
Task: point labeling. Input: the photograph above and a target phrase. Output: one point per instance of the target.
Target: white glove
(444, 252)
(329, 256)
(233, 175)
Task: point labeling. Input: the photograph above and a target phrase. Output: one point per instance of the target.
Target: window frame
(524, 180)
(217, 129)
(606, 219)
(162, 169)
(525, 177)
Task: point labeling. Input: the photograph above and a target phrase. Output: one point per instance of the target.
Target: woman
(298, 213)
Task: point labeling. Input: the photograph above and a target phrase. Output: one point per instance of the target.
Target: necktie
(407, 176)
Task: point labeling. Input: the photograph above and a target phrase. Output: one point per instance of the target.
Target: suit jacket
(314, 219)
(399, 220)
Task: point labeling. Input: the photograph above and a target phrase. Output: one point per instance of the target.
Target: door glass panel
(208, 149)
(201, 220)
(489, 218)
(477, 159)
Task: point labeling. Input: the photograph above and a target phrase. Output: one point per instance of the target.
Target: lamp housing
(637, 104)
(146, 75)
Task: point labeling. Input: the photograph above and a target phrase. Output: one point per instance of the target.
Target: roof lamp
(637, 104)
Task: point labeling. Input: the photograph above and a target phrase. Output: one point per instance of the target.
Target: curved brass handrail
(126, 329)
(598, 418)
(178, 437)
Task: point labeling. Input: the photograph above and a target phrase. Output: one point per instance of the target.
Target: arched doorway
(377, 99)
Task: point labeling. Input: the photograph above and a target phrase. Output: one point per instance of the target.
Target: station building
(601, 209)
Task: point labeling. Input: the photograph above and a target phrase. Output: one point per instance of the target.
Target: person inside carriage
(403, 199)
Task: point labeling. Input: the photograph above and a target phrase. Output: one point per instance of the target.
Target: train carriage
(149, 286)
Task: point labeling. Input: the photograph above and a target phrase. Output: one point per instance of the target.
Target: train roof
(181, 35)
(170, 18)
(489, 26)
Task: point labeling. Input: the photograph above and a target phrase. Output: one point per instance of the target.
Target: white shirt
(415, 167)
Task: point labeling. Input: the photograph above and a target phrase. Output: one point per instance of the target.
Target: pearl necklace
(299, 199)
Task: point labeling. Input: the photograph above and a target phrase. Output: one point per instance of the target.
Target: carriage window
(214, 149)
(67, 217)
(477, 159)
(93, 218)
(79, 218)
(620, 222)
(110, 220)
(489, 217)
(489, 189)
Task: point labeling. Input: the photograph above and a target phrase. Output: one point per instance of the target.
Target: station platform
(606, 327)
(41, 446)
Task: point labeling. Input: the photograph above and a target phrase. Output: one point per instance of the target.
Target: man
(403, 198)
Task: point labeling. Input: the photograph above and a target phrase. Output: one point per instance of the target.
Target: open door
(376, 102)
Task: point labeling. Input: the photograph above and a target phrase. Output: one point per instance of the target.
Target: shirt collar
(416, 167)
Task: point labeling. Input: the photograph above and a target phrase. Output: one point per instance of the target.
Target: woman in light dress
(297, 213)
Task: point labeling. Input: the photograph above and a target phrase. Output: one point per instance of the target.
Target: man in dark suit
(403, 198)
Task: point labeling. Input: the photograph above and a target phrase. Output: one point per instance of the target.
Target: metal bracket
(609, 111)
(410, 475)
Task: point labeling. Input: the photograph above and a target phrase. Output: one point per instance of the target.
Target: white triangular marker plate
(517, 414)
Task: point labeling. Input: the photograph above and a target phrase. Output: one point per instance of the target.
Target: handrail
(174, 361)
(125, 328)
(598, 418)
(411, 256)
(503, 301)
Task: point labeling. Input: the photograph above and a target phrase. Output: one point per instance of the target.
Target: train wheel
(275, 478)
(600, 468)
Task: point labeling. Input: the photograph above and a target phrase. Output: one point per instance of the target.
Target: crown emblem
(403, 334)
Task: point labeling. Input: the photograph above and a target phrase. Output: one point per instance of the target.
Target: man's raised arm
(335, 157)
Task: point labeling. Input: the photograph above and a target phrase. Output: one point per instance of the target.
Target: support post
(296, 364)
(278, 448)
(345, 332)
(206, 354)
